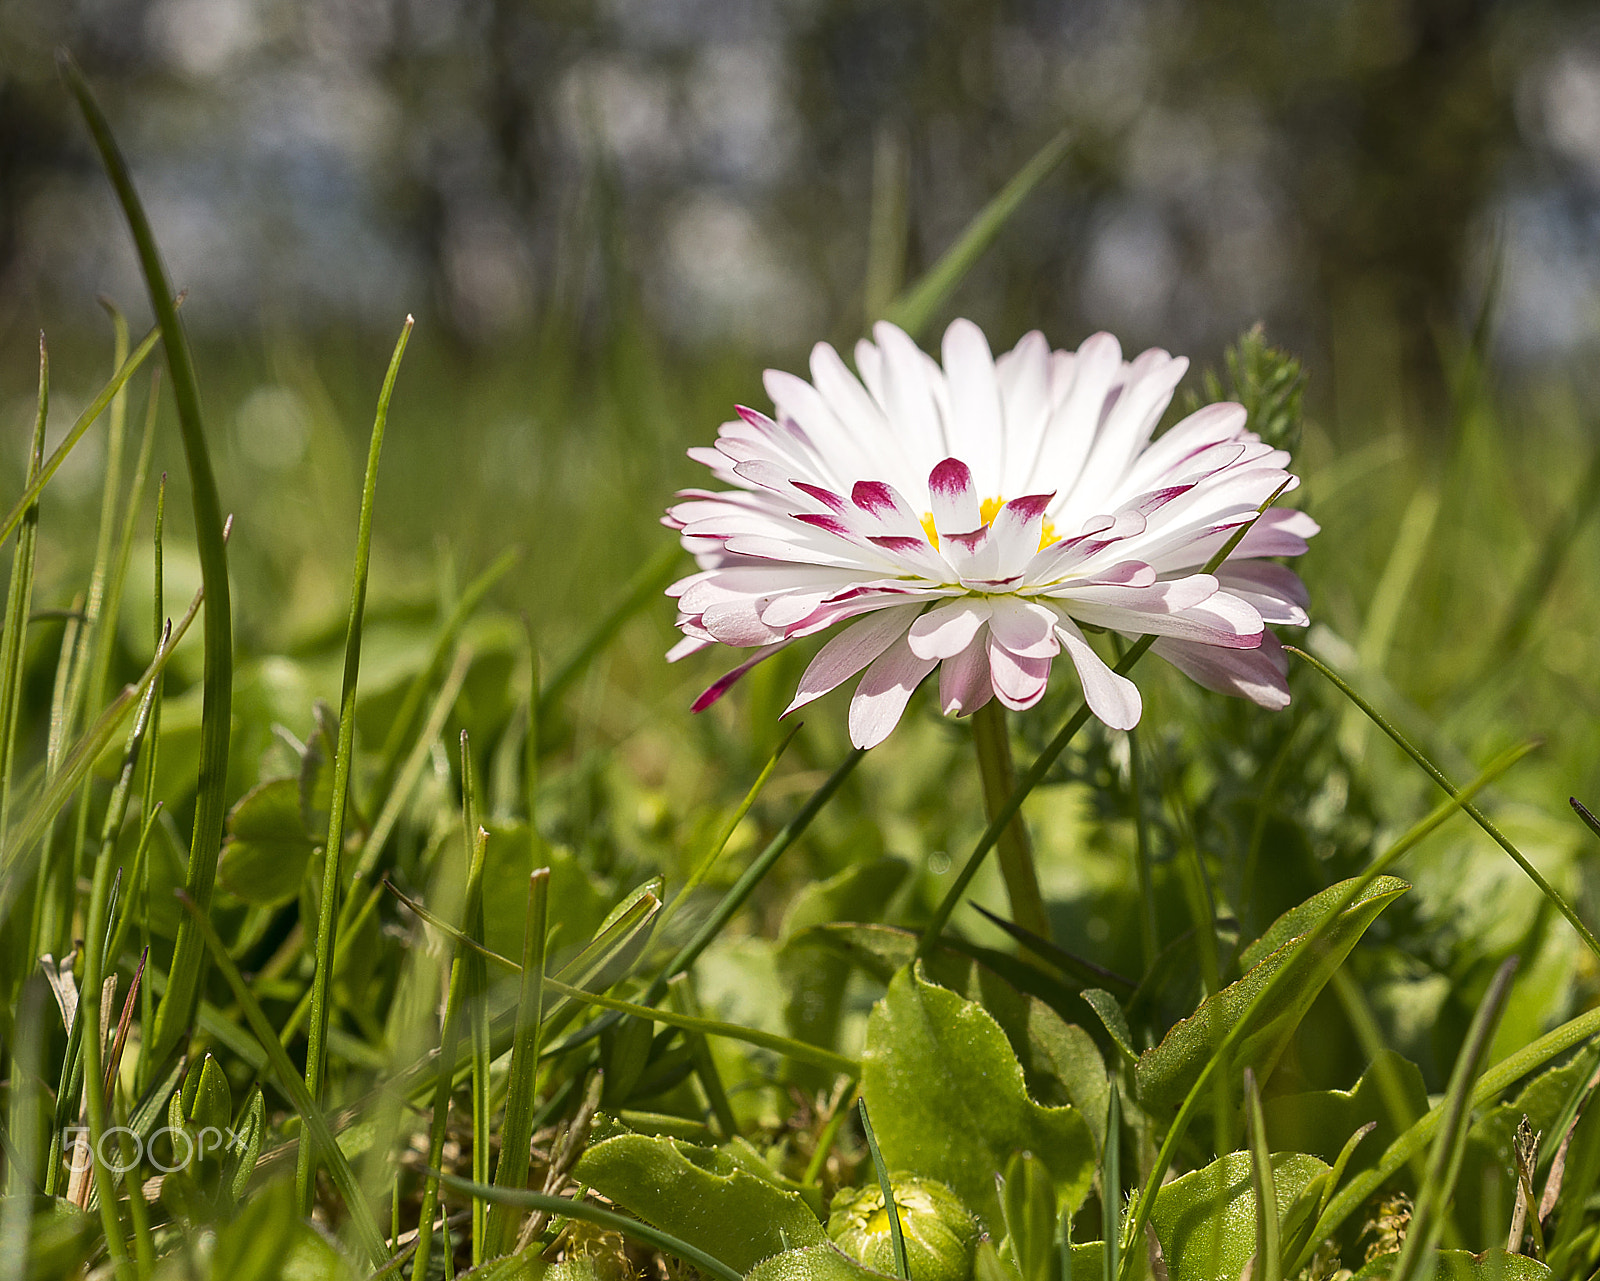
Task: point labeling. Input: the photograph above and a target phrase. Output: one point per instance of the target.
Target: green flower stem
(992, 738)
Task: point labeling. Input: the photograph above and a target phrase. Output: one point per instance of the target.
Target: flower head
(975, 516)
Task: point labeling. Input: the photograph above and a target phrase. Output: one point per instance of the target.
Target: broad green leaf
(1166, 1071)
(264, 858)
(1206, 1220)
(701, 1196)
(1321, 1121)
(949, 1102)
(1462, 1265)
(825, 1262)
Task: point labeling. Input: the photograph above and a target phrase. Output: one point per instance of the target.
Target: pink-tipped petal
(850, 651)
(1026, 628)
(1114, 699)
(1019, 682)
(723, 684)
(881, 697)
(953, 498)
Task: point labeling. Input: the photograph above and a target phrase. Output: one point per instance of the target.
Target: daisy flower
(976, 516)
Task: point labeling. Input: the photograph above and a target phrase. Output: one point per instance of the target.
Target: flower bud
(940, 1232)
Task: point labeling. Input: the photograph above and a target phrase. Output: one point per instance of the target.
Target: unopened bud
(939, 1231)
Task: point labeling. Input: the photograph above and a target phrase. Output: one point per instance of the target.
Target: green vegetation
(393, 933)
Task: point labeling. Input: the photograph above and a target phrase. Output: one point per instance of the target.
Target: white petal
(1261, 674)
(945, 631)
(1114, 699)
(851, 650)
(975, 427)
(883, 693)
(1019, 682)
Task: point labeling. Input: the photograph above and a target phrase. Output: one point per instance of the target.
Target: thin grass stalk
(333, 847)
(152, 755)
(144, 1247)
(58, 885)
(1450, 1144)
(478, 1027)
(1042, 763)
(1428, 767)
(752, 876)
(217, 672)
(830, 1134)
(1291, 970)
(992, 738)
(1111, 1187)
(1269, 1247)
(75, 433)
(19, 600)
(897, 1236)
(22, 1129)
(293, 1087)
(516, 1127)
(91, 647)
(450, 1033)
(913, 310)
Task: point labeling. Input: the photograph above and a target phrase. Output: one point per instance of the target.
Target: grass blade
(915, 308)
(1428, 767)
(992, 738)
(217, 675)
(1450, 1143)
(897, 1234)
(1111, 1187)
(516, 1128)
(1269, 1250)
(294, 1088)
(333, 847)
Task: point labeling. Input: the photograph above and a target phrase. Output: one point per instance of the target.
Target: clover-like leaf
(265, 855)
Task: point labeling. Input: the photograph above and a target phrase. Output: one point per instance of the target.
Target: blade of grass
(75, 433)
(1149, 928)
(1450, 1143)
(703, 868)
(830, 1134)
(1303, 956)
(19, 597)
(1077, 967)
(478, 1028)
(897, 1236)
(450, 1034)
(294, 1088)
(333, 847)
(1428, 767)
(516, 1127)
(217, 671)
(915, 308)
(1111, 1186)
(586, 1213)
(1269, 1251)
(147, 1009)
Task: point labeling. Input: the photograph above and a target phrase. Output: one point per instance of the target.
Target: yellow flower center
(987, 511)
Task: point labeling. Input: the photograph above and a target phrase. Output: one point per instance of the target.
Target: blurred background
(609, 215)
